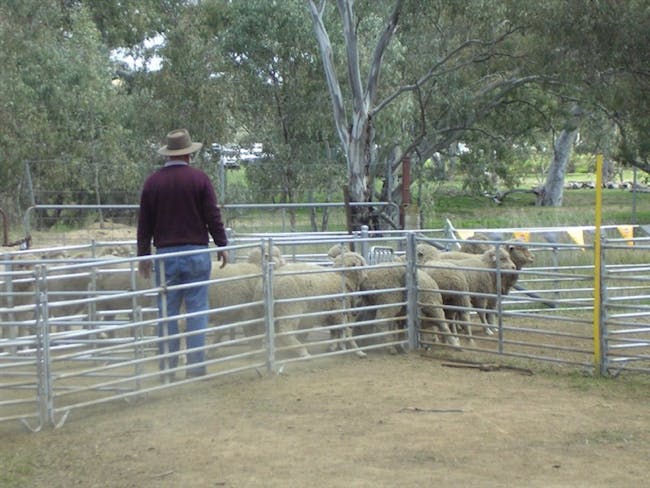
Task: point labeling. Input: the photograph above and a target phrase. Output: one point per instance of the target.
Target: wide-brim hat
(179, 143)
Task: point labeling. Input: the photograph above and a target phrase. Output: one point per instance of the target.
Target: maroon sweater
(178, 206)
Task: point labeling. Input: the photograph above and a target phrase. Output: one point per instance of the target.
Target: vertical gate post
(599, 365)
(269, 321)
(412, 316)
(601, 318)
(364, 235)
(499, 297)
(43, 357)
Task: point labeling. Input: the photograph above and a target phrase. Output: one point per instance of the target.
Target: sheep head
(425, 252)
(275, 256)
(353, 267)
(491, 258)
(520, 255)
(476, 247)
(336, 250)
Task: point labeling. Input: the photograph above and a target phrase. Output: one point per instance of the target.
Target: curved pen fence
(79, 327)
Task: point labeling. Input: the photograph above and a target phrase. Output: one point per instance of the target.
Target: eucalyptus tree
(493, 75)
(189, 87)
(452, 65)
(597, 50)
(61, 112)
(276, 96)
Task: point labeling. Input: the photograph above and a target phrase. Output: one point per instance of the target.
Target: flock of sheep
(347, 296)
(352, 298)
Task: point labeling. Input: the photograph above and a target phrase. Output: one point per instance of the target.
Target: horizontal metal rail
(66, 344)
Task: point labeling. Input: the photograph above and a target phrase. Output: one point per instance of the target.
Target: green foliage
(251, 71)
(59, 72)
(129, 22)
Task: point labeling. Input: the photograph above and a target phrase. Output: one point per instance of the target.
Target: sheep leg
(382, 315)
(447, 336)
(464, 317)
(337, 336)
(290, 340)
(346, 336)
(482, 305)
(342, 337)
(460, 319)
(489, 316)
(452, 319)
(347, 333)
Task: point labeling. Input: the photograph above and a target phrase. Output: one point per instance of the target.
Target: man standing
(178, 208)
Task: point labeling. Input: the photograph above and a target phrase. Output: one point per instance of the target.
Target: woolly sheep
(336, 250)
(16, 291)
(119, 278)
(62, 284)
(235, 291)
(482, 280)
(240, 280)
(382, 281)
(475, 247)
(426, 252)
(293, 287)
(519, 254)
(455, 294)
(255, 256)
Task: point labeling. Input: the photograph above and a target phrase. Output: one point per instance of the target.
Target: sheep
(482, 281)
(455, 293)
(475, 247)
(381, 283)
(118, 278)
(291, 286)
(426, 252)
(255, 256)
(519, 254)
(237, 289)
(240, 282)
(17, 290)
(336, 250)
(60, 283)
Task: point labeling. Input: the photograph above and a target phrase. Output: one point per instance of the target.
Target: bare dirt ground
(406, 421)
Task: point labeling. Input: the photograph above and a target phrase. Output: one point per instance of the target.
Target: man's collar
(176, 162)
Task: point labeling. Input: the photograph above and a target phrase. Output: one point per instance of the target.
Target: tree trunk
(553, 190)
(356, 133)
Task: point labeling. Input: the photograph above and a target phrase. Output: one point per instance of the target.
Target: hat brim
(195, 146)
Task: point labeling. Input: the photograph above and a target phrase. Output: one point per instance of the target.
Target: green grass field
(519, 210)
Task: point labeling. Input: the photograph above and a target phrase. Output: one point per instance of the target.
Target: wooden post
(348, 212)
(406, 189)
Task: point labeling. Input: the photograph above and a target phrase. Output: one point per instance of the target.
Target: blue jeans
(181, 270)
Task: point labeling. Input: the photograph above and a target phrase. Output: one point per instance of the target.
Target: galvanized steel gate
(64, 349)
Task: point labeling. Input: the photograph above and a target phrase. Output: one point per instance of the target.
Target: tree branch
(433, 71)
(380, 49)
(352, 50)
(422, 80)
(333, 86)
